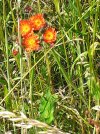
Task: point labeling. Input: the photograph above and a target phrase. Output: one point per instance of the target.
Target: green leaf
(47, 106)
(8, 99)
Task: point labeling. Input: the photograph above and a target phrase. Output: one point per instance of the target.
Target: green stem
(6, 44)
(8, 71)
(13, 17)
(94, 38)
(57, 7)
(20, 51)
(48, 70)
(80, 15)
(7, 101)
(30, 78)
(39, 7)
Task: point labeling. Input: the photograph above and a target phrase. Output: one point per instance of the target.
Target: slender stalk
(94, 38)
(30, 79)
(8, 69)
(8, 101)
(20, 51)
(6, 44)
(48, 69)
(80, 15)
(39, 6)
(13, 17)
(57, 6)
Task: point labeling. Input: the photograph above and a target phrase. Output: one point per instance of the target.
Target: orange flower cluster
(28, 27)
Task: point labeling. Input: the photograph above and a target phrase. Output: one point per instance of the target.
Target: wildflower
(25, 27)
(15, 52)
(31, 43)
(37, 21)
(49, 35)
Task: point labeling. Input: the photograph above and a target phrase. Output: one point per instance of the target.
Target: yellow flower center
(49, 36)
(38, 22)
(25, 28)
(31, 42)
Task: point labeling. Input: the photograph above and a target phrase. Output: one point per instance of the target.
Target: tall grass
(58, 85)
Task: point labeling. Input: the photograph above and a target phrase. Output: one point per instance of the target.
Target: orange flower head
(15, 52)
(37, 21)
(31, 43)
(49, 35)
(25, 27)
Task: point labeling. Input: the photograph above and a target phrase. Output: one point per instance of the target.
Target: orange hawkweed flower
(37, 21)
(15, 52)
(31, 43)
(49, 35)
(25, 27)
